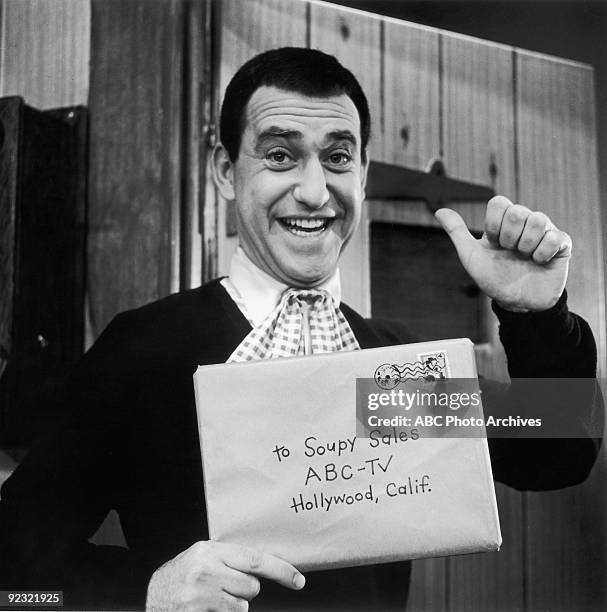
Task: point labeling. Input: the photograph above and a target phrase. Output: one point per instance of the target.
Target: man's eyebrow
(342, 135)
(275, 131)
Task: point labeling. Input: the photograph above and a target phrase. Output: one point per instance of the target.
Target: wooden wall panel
(566, 530)
(567, 546)
(493, 581)
(198, 240)
(134, 179)
(246, 29)
(429, 586)
(558, 170)
(478, 118)
(45, 51)
(411, 135)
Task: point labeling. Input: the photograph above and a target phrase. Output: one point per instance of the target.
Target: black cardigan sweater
(129, 442)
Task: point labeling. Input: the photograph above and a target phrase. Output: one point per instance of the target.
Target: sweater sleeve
(554, 344)
(61, 492)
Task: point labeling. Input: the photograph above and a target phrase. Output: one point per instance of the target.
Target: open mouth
(305, 227)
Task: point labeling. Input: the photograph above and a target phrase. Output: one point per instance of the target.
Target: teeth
(308, 224)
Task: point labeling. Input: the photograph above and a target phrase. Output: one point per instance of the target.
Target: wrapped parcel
(293, 468)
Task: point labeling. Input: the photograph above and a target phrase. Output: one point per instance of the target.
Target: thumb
(455, 226)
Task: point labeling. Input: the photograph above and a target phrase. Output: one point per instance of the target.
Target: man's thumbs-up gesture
(522, 259)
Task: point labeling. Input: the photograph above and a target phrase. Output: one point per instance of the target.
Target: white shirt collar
(257, 293)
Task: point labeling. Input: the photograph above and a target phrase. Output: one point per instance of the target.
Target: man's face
(298, 183)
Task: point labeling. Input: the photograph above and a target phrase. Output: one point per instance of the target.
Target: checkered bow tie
(306, 321)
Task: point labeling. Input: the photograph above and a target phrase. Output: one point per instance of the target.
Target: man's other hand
(521, 261)
(219, 577)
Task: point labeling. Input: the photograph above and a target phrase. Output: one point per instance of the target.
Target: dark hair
(306, 71)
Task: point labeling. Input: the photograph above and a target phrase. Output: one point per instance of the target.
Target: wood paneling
(478, 118)
(566, 532)
(135, 179)
(197, 96)
(411, 102)
(411, 135)
(45, 51)
(493, 581)
(566, 542)
(429, 586)
(558, 170)
(246, 29)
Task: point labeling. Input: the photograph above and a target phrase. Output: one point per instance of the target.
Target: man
(294, 130)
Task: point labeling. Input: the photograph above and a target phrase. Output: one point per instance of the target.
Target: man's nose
(311, 189)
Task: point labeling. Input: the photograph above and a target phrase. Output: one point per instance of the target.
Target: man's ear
(223, 172)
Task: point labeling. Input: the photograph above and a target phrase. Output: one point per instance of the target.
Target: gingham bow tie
(306, 321)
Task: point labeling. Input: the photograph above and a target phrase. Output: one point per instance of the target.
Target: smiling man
(298, 182)
(294, 130)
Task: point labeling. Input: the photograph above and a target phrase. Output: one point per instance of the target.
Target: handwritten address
(341, 468)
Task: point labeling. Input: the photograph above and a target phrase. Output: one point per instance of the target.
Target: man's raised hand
(522, 259)
(214, 576)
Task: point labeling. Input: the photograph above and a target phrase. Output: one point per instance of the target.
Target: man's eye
(339, 160)
(279, 157)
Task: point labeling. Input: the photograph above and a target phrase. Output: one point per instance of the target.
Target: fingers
(451, 221)
(455, 226)
(262, 565)
(532, 234)
(534, 230)
(553, 243)
(239, 584)
(513, 224)
(496, 207)
(216, 576)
